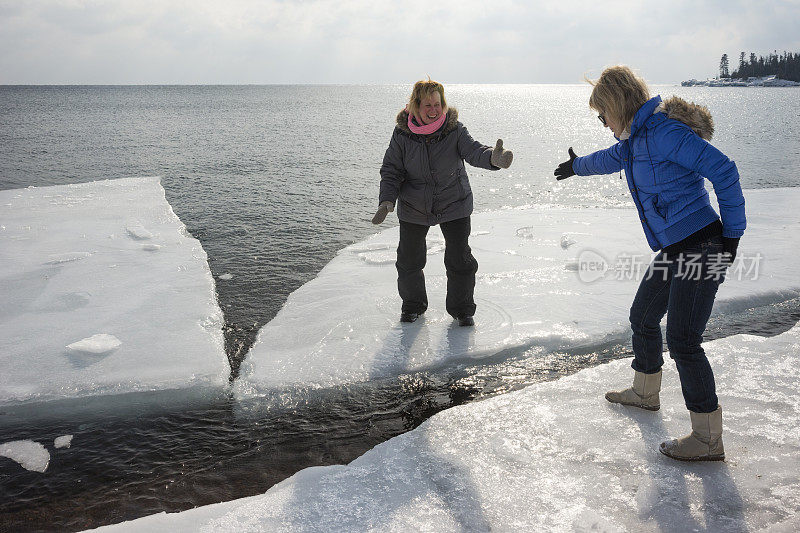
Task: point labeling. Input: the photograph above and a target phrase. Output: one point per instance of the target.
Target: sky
(375, 42)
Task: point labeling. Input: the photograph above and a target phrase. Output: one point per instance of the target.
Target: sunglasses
(602, 119)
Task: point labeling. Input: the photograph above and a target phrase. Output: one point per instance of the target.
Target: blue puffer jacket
(665, 160)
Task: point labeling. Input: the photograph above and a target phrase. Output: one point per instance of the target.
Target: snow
(64, 441)
(104, 292)
(535, 290)
(556, 456)
(29, 454)
(99, 344)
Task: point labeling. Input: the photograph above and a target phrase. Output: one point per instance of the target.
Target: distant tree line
(785, 66)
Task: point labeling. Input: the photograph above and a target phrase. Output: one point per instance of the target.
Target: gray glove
(501, 158)
(383, 209)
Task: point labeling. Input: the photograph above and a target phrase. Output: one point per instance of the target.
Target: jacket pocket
(463, 182)
(660, 207)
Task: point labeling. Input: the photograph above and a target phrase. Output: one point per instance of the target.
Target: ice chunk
(102, 343)
(63, 441)
(532, 291)
(67, 258)
(567, 241)
(69, 273)
(226, 277)
(151, 247)
(556, 456)
(138, 232)
(29, 454)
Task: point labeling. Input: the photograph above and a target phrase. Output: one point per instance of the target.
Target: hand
(564, 170)
(729, 246)
(501, 158)
(383, 209)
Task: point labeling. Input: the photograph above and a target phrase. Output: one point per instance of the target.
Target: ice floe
(548, 277)
(29, 454)
(64, 441)
(88, 309)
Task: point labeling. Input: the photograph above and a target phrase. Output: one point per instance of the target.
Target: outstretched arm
(605, 161)
(476, 154)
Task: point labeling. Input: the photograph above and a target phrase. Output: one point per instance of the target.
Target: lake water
(273, 180)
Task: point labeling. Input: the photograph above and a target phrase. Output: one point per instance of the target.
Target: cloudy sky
(374, 41)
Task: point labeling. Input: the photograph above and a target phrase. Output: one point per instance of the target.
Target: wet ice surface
(556, 456)
(104, 292)
(532, 294)
(29, 454)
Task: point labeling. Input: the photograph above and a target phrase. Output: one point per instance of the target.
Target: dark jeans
(683, 286)
(458, 261)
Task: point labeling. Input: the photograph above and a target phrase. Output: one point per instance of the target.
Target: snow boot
(407, 316)
(466, 321)
(643, 394)
(704, 443)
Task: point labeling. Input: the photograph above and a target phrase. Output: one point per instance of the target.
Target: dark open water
(273, 181)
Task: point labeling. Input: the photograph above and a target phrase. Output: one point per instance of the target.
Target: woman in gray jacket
(424, 169)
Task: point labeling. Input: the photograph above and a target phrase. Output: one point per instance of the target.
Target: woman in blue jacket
(663, 148)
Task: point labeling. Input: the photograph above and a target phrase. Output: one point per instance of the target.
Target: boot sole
(693, 459)
(640, 406)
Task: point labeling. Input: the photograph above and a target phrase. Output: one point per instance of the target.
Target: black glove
(729, 246)
(564, 170)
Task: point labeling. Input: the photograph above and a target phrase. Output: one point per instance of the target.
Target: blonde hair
(618, 93)
(422, 89)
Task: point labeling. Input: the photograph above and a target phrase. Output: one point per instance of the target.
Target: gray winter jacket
(427, 174)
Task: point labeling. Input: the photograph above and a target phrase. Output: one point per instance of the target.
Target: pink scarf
(426, 129)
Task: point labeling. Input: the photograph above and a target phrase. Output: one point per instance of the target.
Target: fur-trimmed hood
(693, 115)
(450, 125)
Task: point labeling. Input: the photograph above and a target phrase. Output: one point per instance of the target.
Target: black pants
(458, 261)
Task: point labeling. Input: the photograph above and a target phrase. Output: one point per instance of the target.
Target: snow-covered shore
(557, 457)
(764, 81)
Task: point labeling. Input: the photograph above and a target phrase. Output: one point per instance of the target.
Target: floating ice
(102, 343)
(29, 454)
(68, 272)
(63, 441)
(226, 277)
(556, 456)
(550, 278)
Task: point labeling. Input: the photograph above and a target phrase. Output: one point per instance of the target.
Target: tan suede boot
(644, 392)
(704, 443)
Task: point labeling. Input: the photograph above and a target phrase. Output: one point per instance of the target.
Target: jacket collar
(450, 124)
(644, 113)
